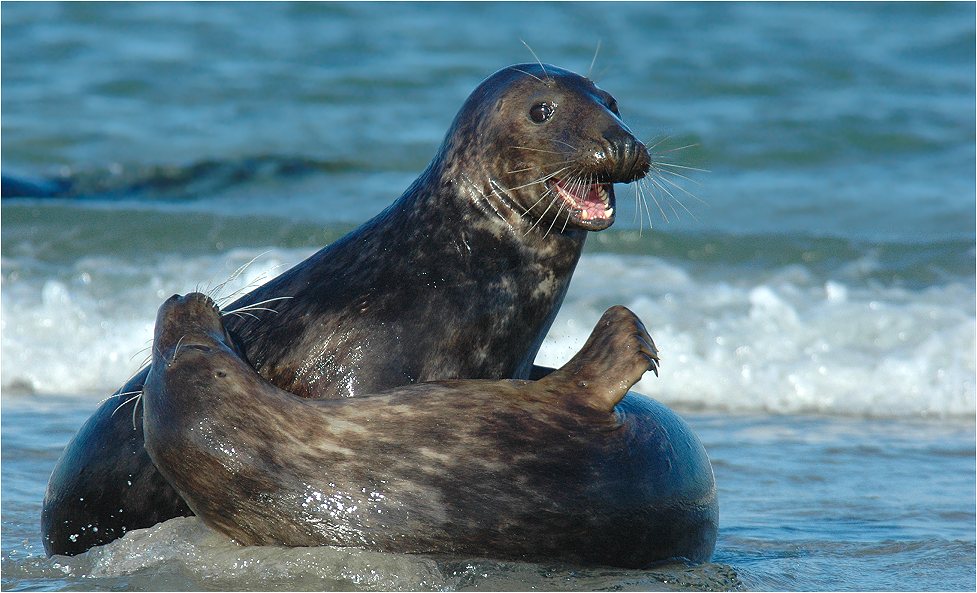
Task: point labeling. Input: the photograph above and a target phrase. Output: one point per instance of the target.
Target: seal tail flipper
(615, 356)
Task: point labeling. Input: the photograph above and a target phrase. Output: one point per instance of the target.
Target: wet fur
(557, 469)
(461, 277)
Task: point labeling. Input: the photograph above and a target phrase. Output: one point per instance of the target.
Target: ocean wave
(777, 340)
(785, 340)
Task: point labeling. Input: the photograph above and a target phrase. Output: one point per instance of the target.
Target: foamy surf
(782, 340)
(184, 554)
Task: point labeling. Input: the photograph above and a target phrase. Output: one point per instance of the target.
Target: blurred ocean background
(813, 293)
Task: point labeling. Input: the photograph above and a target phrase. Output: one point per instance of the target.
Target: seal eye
(541, 112)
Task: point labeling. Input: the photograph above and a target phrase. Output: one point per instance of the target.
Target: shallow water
(813, 297)
(806, 502)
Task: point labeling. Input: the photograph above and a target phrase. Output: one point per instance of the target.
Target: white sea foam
(783, 341)
(183, 554)
(86, 329)
(770, 341)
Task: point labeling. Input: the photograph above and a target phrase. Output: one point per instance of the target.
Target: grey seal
(461, 277)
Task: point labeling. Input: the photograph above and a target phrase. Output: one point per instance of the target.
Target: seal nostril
(629, 158)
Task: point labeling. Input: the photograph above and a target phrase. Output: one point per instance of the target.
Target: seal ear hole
(542, 111)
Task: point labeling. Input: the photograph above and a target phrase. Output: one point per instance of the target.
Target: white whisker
(683, 190)
(594, 59)
(674, 166)
(542, 179)
(118, 395)
(538, 61)
(528, 74)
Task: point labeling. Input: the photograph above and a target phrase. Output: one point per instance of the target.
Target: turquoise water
(812, 287)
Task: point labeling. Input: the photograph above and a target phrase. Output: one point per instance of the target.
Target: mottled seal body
(461, 277)
(564, 468)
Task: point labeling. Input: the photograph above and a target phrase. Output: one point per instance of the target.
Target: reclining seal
(568, 468)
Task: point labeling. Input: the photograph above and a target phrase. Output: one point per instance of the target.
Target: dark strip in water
(169, 182)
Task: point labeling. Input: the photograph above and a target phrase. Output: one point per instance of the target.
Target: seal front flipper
(615, 356)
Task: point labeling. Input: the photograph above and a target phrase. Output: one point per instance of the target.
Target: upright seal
(461, 277)
(565, 468)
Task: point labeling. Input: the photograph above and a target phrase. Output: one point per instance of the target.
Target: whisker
(683, 190)
(594, 59)
(657, 203)
(137, 395)
(647, 209)
(141, 350)
(246, 309)
(590, 181)
(540, 219)
(567, 221)
(538, 61)
(241, 314)
(135, 407)
(536, 149)
(674, 166)
(542, 179)
(528, 74)
(674, 174)
(176, 350)
(257, 306)
(257, 281)
(541, 198)
(119, 395)
(680, 148)
(672, 196)
(555, 218)
(657, 143)
(236, 273)
(575, 185)
(568, 161)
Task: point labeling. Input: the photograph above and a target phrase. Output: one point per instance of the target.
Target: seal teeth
(587, 202)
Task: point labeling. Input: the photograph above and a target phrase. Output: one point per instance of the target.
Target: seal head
(555, 159)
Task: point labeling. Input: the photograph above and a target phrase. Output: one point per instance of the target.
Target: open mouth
(592, 205)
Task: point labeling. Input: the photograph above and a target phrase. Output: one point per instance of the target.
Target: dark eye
(541, 112)
(612, 105)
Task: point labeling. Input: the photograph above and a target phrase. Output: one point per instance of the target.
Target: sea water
(809, 278)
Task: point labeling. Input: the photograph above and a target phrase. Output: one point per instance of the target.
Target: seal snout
(628, 158)
(178, 314)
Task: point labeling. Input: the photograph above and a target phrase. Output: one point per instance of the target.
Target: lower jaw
(596, 224)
